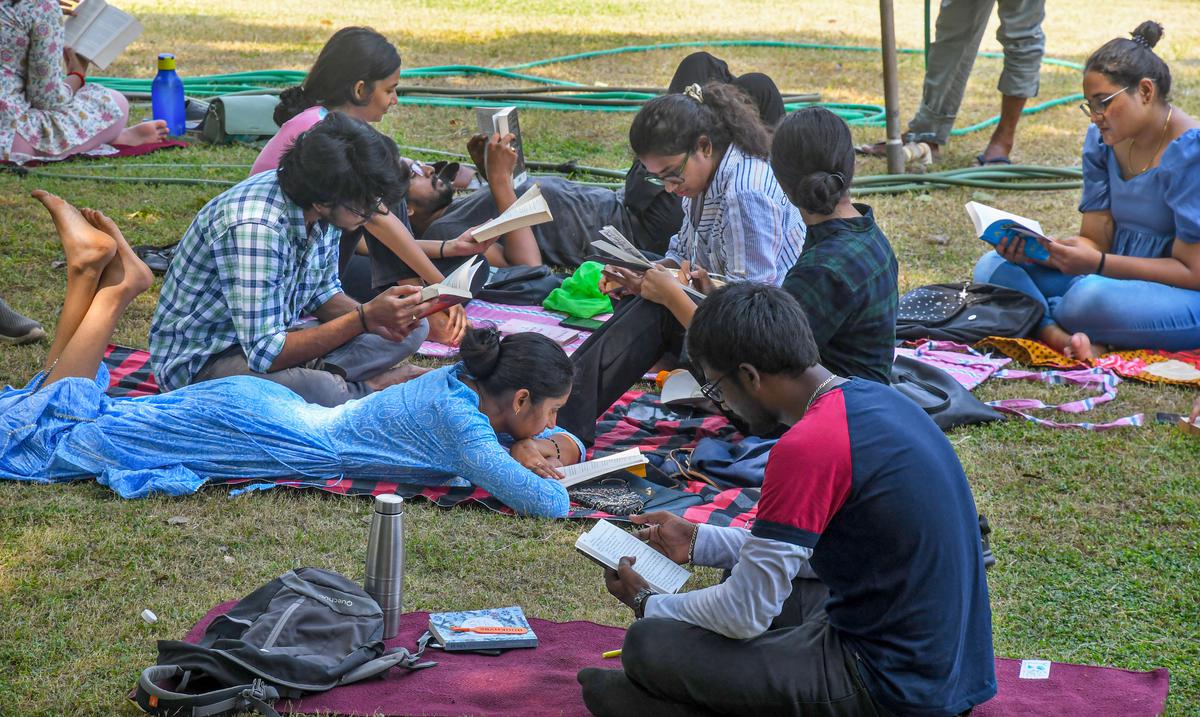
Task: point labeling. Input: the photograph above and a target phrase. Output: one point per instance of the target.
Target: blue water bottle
(166, 96)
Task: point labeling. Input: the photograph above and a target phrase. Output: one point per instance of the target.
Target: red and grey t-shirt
(874, 489)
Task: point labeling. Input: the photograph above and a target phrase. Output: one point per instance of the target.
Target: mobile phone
(574, 322)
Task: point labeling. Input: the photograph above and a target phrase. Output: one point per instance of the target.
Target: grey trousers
(959, 30)
(331, 380)
(672, 668)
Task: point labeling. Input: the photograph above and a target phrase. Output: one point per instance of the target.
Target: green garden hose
(550, 93)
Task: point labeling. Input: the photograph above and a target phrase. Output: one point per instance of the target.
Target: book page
(613, 235)
(587, 470)
(107, 32)
(681, 386)
(983, 216)
(528, 210)
(558, 334)
(77, 24)
(462, 277)
(608, 544)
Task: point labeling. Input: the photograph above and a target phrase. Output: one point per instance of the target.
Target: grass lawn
(1097, 535)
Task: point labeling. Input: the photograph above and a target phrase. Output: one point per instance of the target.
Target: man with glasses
(261, 257)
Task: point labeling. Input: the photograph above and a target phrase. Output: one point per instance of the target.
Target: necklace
(816, 393)
(1161, 138)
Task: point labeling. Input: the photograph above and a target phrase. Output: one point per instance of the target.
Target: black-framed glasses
(377, 207)
(675, 176)
(712, 390)
(1098, 109)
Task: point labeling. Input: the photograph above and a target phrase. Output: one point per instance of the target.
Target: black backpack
(965, 313)
(307, 631)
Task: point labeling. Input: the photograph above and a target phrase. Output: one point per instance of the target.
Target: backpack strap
(399, 657)
(157, 700)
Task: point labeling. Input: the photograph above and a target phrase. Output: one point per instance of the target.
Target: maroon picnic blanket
(637, 419)
(541, 681)
(123, 150)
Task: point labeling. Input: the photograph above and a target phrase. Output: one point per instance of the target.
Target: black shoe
(17, 329)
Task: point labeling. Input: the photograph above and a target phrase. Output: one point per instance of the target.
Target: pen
(611, 653)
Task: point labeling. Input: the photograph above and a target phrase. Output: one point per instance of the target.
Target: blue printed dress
(426, 431)
(1151, 211)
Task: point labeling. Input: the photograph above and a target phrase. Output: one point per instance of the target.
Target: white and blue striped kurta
(748, 230)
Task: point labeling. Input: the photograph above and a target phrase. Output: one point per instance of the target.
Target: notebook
(495, 629)
(607, 544)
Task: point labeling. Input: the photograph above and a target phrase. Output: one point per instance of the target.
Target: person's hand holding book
(500, 157)
(662, 285)
(624, 583)
(394, 313)
(75, 63)
(1073, 255)
(626, 281)
(667, 533)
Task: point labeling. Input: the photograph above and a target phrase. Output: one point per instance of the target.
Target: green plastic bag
(580, 294)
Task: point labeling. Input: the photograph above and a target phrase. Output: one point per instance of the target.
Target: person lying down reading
(489, 419)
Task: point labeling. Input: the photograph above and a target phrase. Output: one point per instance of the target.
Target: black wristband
(1100, 269)
(442, 250)
(362, 316)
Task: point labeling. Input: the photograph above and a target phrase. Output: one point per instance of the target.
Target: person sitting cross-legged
(263, 255)
(864, 492)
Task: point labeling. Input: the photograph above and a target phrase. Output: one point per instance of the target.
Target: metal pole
(891, 87)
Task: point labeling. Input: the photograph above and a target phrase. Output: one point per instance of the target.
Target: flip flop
(878, 149)
(981, 161)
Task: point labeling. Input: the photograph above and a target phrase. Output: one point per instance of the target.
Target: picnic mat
(541, 681)
(479, 311)
(1135, 364)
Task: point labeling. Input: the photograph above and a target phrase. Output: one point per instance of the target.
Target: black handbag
(965, 313)
(942, 397)
(520, 285)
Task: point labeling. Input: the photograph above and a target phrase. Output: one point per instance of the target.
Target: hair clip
(1137, 37)
(840, 177)
(693, 90)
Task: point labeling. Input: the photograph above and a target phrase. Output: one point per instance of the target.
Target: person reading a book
(356, 74)
(708, 146)
(845, 279)
(865, 493)
(48, 111)
(488, 420)
(1131, 277)
(262, 256)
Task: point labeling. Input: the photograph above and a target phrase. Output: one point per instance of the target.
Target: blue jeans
(1116, 312)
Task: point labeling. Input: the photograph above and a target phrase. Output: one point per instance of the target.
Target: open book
(615, 249)
(99, 32)
(607, 544)
(600, 467)
(454, 289)
(682, 389)
(529, 209)
(993, 225)
(502, 120)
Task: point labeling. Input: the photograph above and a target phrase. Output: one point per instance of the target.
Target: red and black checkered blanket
(637, 419)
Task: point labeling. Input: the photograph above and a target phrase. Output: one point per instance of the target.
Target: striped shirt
(747, 228)
(245, 271)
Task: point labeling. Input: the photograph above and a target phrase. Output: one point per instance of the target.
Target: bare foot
(87, 249)
(400, 374)
(143, 133)
(134, 276)
(1081, 347)
(476, 147)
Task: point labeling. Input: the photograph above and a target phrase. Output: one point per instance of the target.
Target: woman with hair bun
(489, 420)
(1131, 277)
(845, 279)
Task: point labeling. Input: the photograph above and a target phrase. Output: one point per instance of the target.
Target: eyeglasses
(377, 207)
(673, 177)
(1099, 108)
(712, 390)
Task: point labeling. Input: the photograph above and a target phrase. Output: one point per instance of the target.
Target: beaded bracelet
(557, 450)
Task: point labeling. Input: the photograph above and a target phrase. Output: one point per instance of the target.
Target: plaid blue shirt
(245, 271)
(747, 229)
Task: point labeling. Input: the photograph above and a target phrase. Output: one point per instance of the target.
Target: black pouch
(520, 285)
(943, 398)
(965, 313)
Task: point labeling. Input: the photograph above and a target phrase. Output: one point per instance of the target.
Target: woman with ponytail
(709, 146)
(1131, 277)
(846, 277)
(489, 421)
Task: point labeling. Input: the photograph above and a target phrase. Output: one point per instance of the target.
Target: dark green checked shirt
(845, 280)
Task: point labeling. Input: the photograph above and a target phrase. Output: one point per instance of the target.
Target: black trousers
(614, 358)
(656, 214)
(798, 667)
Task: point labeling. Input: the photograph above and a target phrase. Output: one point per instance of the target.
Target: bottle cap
(166, 61)
(149, 616)
(389, 504)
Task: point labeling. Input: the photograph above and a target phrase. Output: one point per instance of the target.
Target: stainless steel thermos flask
(385, 560)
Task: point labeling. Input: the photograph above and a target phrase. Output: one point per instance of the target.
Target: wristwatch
(639, 602)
